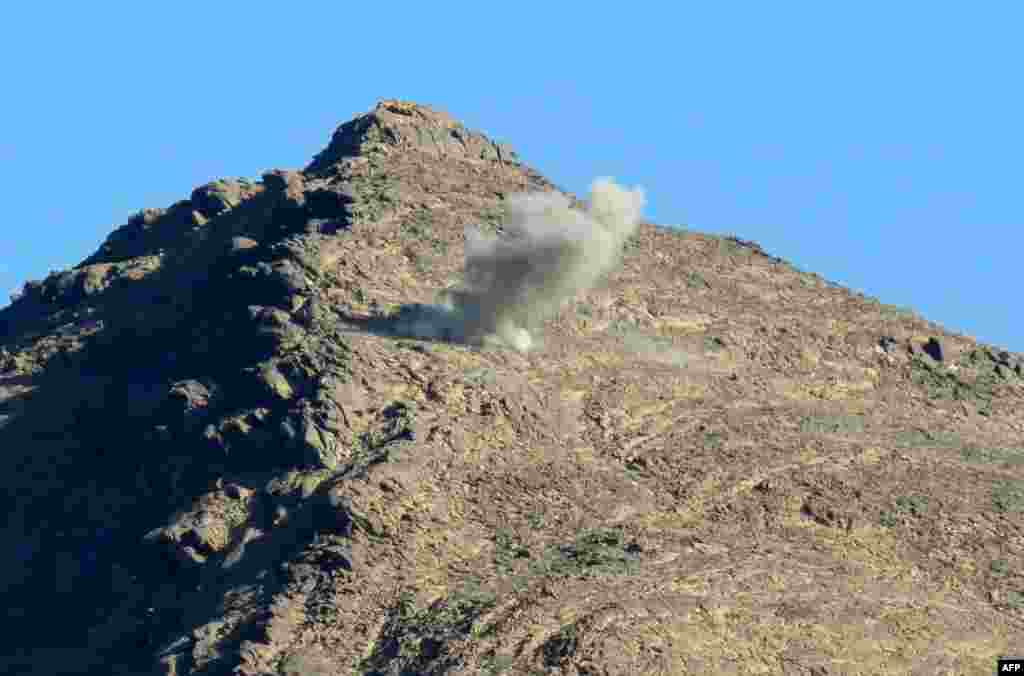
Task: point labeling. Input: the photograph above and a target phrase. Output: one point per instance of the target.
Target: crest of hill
(223, 455)
(400, 126)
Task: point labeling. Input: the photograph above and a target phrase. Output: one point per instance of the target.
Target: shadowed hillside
(232, 448)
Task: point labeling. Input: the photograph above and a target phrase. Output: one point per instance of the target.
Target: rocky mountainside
(225, 456)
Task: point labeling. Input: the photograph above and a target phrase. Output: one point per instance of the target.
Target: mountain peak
(395, 125)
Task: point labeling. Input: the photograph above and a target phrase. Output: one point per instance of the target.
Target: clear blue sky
(879, 145)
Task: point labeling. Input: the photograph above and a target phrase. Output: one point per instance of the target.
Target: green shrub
(1008, 496)
(695, 280)
(1012, 456)
(832, 424)
(912, 504)
(999, 567)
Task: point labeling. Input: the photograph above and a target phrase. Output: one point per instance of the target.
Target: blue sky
(877, 144)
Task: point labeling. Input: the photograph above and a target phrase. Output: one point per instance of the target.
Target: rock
(506, 154)
(239, 244)
(206, 649)
(401, 125)
(289, 186)
(237, 491)
(325, 226)
(71, 286)
(334, 513)
(215, 439)
(219, 196)
(319, 447)
(146, 217)
(191, 400)
(289, 276)
(330, 203)
(288, 431)
(303, 575)
(175, 664)
(335, 556)
(933, 348)
(276, 384)
(929, 347)
(273, 283)
(276, 327)
(192, 538)
(1010, 362)
(270, 316)
(94, 278)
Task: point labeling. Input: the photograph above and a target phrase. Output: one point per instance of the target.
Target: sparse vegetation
(915, 505)
(809, 281)
(926, 439)
(497, 664)
(897, 311)
(832, 424)
(419, 224)
(507, 551)
(415, 346)
(942, 384)
(729, 246)
(638, 341)
(561, 646)
(999, 567)
(907, 505)
(1014, 600)
(714, 441)
(888, 519)
(416, 639)
(396, 424)
(597, 551)
(480, 376)
(491, 218)
(634, 470)
(1008, 496)
(422, 263)
(695, 280)
(713, 344)
(1010, 456)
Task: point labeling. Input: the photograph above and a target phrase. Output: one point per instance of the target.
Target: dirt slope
(222, 459)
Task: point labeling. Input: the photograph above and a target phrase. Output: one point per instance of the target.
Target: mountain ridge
(230, 457)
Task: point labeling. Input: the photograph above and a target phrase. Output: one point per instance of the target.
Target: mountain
(254, 433)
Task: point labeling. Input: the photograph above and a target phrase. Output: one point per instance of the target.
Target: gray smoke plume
(547, 254)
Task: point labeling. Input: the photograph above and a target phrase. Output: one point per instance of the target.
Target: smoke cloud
(548, 253)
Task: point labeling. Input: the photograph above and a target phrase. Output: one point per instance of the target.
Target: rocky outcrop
(402, 126)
